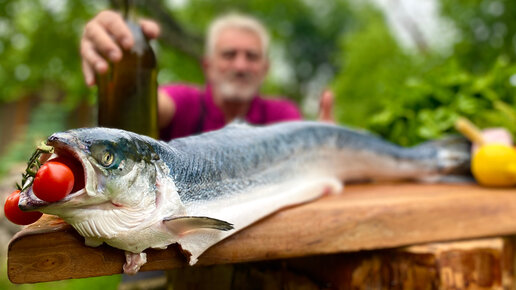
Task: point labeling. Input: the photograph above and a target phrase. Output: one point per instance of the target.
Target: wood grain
(475, 264)
(362, 217)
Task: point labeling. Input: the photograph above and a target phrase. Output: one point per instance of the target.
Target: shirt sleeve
(187, 102)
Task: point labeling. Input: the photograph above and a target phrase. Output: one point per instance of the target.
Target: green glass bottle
(127, 93)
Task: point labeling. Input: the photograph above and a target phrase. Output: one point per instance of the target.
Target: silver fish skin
(141, 193)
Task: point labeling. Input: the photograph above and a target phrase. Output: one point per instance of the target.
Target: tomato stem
(33, 165)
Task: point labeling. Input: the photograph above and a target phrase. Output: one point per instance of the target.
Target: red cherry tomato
(54, 180)
(78, 171)
(15, 214)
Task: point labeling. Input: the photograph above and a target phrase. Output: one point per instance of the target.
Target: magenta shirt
(191, 101)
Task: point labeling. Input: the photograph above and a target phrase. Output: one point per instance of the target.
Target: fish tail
(453, 158)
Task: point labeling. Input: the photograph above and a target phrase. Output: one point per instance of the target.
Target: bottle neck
(127, 10)
(140, 42)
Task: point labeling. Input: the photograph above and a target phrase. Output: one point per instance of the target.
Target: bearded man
(235, 65)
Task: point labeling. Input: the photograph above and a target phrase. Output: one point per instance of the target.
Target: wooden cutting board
(362, 217)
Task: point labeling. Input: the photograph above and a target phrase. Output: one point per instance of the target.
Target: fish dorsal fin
(184, 224)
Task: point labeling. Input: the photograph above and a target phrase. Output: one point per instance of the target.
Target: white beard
(232, 92)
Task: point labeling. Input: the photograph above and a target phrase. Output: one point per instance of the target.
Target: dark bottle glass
(127, 93)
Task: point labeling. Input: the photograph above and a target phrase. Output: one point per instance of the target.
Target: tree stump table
(371, 236)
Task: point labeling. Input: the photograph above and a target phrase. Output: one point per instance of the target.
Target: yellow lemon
(495, 165)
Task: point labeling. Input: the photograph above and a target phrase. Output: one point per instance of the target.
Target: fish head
(119, 169)
(129, 199)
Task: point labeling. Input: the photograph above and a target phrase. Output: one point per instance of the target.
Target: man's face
(237, 66)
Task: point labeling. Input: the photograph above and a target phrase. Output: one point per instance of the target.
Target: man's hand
(103, 38)
(326, 107)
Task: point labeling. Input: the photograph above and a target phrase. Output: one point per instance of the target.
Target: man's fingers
(150, 28)
(90, 56)
(116, 27)
(88, 73)
(326, 106)
(101, 41)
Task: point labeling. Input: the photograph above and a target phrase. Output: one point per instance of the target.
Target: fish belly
(246, 208)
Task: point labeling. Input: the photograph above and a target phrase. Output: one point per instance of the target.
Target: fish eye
(107, 158)
(104, 154)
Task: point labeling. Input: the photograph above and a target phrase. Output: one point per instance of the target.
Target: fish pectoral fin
(184, 224)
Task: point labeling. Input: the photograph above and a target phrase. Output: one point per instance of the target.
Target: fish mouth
(66, 148)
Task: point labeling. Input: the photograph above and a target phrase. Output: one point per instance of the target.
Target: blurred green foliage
(409, 97)
(487, 31)
(372, 67)
(433, 100)
(39, 47)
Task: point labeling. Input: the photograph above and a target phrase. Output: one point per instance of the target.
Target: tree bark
(475, 264)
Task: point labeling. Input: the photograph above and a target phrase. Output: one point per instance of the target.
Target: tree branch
(172, 32)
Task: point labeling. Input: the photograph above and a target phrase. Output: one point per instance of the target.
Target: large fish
(141, 193)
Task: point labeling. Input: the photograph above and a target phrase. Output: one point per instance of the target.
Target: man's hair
(239, 21)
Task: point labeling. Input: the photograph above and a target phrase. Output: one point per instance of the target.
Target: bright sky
(176, 3)
(439, 32)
